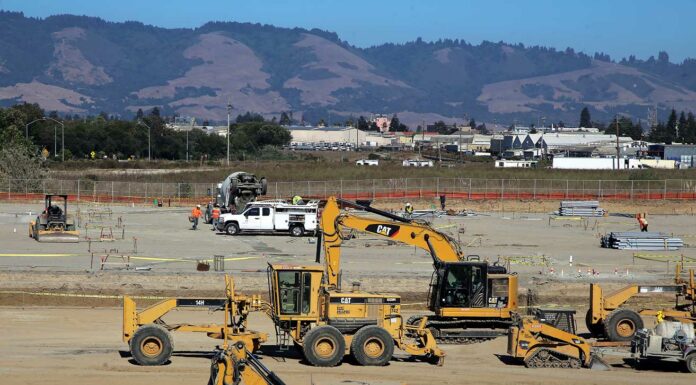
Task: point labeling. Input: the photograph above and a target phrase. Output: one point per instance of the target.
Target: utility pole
(55, 141)
(149, 147)
(618, 152)
(229, 111)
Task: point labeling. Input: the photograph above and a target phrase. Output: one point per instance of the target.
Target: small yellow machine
(149, 338)
(54, 225)
(471, 299)
(607, 318)
(549, 341)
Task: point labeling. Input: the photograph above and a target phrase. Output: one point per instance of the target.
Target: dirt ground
(61, 313)
(82, 346)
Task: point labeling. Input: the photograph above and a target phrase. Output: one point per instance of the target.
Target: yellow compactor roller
(54, 225)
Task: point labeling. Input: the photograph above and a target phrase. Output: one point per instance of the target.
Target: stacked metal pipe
(581, 209)
(641, 241)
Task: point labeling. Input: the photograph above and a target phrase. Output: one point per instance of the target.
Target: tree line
(111, 137)
(679, 128)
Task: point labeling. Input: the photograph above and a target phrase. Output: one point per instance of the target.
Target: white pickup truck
(272, 216)
(367, 162)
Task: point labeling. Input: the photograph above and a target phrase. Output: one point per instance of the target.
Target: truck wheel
(596, 330)
(372, 346)
(296, 231)
(151, 345)
(324, 346)
(232, 229)
(622, 325)
(690, 362)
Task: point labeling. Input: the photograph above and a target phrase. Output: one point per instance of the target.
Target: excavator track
(444, 333)
(547, 358)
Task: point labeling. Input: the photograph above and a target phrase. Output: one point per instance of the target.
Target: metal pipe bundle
(581, 209)
(641, 241)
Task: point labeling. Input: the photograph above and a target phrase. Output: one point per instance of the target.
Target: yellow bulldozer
(54, 225)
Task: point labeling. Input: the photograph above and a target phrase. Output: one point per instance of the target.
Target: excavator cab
(469, 285)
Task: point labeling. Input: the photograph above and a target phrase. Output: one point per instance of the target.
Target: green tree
(363, 124)
(284, 119)
(396, 126)
(682, 128)
(671, 128)
(585, 118)
(690, 136)
(19, 158)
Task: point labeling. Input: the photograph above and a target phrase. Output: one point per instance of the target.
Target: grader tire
(596, 330)
(324, 346)
(372, 346)
(151, 345)
(622, 325)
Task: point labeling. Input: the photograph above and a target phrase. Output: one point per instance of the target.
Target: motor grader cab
(607, 317)
(472, 300)
(54, 225)
(548, 340)
(328, 322)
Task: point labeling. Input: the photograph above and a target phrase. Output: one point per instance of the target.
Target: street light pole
(62, 131)
(229, 111)
(149, 158)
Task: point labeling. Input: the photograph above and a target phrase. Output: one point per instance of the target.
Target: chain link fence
(413, 188)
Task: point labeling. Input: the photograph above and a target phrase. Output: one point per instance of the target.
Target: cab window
(294, 291)
(266, 211)
(254, 211)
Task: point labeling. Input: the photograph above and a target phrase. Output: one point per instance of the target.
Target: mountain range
(84, 65)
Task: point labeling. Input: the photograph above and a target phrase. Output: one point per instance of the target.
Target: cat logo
(384, 230)
(345, 300)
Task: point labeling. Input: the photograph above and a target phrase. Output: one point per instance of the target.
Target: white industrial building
(302, 134)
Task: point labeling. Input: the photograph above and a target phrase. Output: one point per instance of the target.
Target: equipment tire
(372, 346)
(324, 346)
(151, 345)
(690, 362)
(231, 228)
(596, 330)
(264, 186)
(296, 230)
(622, 325)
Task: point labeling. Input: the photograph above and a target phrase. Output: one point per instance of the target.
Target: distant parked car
(417, 163)
(367, 162)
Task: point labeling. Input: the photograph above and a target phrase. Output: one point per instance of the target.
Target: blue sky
(617, 27)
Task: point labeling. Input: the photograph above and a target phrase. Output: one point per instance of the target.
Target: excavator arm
(440, 246)
(235, 365)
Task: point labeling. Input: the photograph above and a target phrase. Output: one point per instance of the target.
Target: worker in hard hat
(409, 210)
(297, 200)
(215, 215)
(195, 216)
(642, 222)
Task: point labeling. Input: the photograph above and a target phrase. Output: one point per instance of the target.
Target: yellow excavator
(234, 364)
(608, 318)
(471, 300)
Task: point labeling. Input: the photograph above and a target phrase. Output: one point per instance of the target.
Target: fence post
(599, 190)
(78, 190)
(567, 187)
(469, 188)
(43, 186)
(9, 188)
(112, 191)
(534, 193)
(664, 193)
(374, 193)
(340, 194)
(632, 190)
(437, 186)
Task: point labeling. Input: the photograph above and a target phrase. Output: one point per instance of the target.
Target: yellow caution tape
(142, 258)
(566, 218)
(73, 295)
(38, 255)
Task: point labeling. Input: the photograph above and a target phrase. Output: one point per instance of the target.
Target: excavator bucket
(598, 364)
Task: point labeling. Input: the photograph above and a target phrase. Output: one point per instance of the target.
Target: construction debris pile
(581, 209)
(641, 241)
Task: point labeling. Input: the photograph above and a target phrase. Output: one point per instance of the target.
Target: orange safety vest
(216, 212)
(196, 212)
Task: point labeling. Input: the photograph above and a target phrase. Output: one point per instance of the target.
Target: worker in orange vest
(195, 216)
(642, 222)
(215, 215)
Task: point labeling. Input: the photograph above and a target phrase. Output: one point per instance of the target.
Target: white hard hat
(408, 204)
(199, 206)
